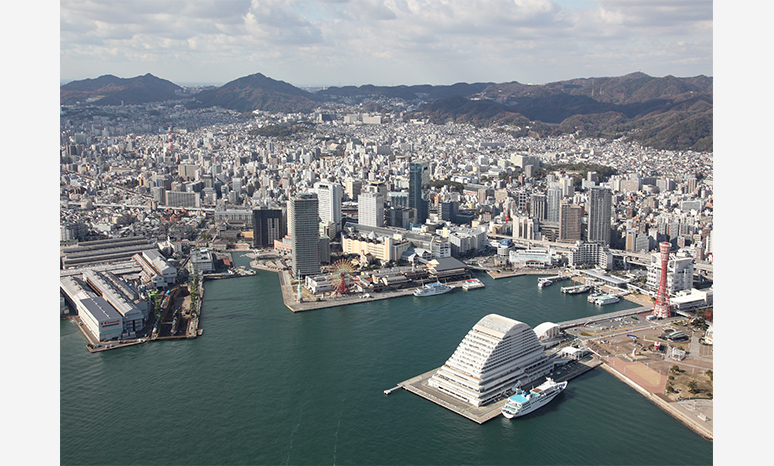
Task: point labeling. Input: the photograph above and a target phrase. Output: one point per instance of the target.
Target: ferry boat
(606, 299)
(525, 402)
(432, 289)
(575, 289)
(472, 284)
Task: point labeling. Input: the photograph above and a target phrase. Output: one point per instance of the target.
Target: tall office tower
(449, 210)
(554, 198)
(419, 181)
(537, 206)
(329, 201)
(570, 217)
(267, 227)
(397, 199)
(304, 234)
(352, 188)
(370, 209)
(568, 189)
(236, 185)
(600, 205)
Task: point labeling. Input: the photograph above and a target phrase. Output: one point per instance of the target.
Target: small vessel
(544, 282)
(432, 289)
(606, 299)
(525, 402)
(472, 284)
(575, 289)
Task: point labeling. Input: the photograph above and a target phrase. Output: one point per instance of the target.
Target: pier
(388, 391)
(419, 386)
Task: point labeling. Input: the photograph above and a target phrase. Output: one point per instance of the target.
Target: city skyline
(385, 42)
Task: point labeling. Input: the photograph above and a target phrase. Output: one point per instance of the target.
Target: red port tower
(662, 309)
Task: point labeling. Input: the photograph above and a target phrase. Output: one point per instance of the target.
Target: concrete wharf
(598, 318)
(419, 386)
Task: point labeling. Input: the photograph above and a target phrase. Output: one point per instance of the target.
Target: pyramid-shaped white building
(496, 353)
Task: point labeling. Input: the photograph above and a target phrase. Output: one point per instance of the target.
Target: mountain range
(665, 113)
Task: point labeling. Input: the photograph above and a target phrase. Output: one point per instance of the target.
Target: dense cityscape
(349, 206)
(122, 167)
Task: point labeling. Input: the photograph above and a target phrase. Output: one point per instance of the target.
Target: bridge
(160, 207)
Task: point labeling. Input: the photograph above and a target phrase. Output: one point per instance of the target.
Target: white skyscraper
(370, 209)
(329, 201)
(553, 201)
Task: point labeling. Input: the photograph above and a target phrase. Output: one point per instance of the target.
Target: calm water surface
(265, 386)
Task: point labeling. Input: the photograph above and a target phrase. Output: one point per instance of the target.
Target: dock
(388, 391)
(419, 386)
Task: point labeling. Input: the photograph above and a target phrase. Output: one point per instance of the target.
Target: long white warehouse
(496, 354)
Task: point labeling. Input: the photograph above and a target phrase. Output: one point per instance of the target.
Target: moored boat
(472, 284)
(432, 289)
(606, 299)
(575, 289)
(524, 402)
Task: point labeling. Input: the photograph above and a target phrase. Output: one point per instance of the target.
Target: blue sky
(384, 42)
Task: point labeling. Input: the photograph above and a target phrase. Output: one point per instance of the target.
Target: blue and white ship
(525, 402)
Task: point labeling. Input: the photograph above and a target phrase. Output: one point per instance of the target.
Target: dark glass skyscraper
(267, 227)
(600, 211)
(304, 234)
(419, 182)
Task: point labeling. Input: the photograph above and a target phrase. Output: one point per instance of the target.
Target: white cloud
(386, 41)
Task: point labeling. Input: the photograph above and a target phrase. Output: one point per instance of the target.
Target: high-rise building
(537, 206)
(370, 209)
(329, 202)
(570, 221)
(553, 201)
(419, 181)
(600, 211)
(267, 227)
(304, 234)
(353, 188)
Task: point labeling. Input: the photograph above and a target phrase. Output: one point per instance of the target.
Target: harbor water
(263, 385)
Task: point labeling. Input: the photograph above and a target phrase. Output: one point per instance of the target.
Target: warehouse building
(107, 306)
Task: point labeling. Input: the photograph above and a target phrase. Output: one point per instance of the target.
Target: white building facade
(679, 273)
(496, 354)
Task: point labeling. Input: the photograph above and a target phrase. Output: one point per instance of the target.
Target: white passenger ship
(432, 289)
(525, 402)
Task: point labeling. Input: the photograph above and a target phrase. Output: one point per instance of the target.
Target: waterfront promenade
(290, 295)
(695, 414)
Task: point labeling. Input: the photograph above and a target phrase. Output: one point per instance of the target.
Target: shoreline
(291, 302)
(697, 425)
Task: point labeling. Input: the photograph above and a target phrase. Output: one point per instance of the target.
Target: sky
(384, 42)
